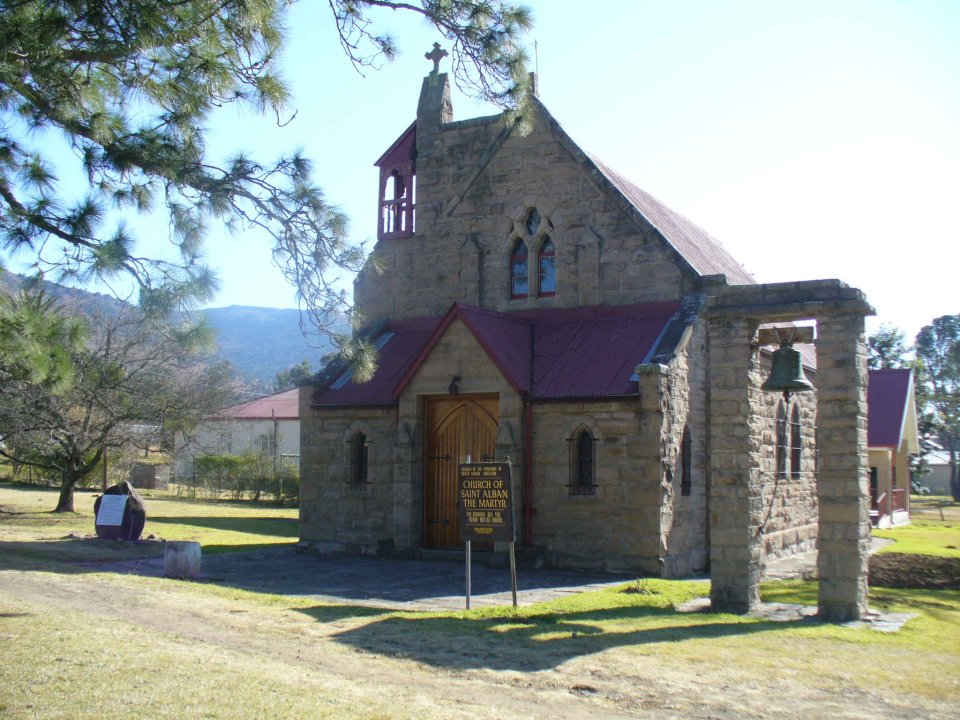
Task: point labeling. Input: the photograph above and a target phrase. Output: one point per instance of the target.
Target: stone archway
(734, 314)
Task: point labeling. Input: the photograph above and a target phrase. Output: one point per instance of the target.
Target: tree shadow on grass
(529, 644)
(278, 527)
(72, 555)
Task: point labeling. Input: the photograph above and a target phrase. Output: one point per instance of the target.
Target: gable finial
(437, 54)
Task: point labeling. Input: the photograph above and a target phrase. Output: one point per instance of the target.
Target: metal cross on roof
(437, 54)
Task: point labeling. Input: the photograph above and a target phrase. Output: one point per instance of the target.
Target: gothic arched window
(519, 271)
(547, 269)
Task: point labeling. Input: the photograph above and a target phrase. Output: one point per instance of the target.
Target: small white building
(267, 426)
(937, 480)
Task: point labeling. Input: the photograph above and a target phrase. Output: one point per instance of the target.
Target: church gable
(598, 239)
(455, 362)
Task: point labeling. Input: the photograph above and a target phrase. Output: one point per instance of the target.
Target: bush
(240, 476)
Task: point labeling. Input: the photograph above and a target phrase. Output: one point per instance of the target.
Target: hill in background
(258, 342)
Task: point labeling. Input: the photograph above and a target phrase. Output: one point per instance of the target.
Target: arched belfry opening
(397, 205)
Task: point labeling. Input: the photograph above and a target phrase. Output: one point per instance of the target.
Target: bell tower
(398, 183)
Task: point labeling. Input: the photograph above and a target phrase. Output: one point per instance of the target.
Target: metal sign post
(468, 574)
(485, 499)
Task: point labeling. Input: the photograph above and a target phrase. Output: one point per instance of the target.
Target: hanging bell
(786, 373)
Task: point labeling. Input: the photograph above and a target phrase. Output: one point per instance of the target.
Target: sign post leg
(468, 574)
(513, 572)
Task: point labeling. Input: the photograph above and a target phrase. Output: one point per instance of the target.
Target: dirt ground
(524, 681)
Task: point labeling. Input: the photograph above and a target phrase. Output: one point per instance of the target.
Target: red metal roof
(282, 406)
(888, 393)
(404, 148)
(545, 354)
(592, 351)
(395, 356)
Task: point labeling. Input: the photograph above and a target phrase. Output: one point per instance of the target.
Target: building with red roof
(531, 304)
(892, 438)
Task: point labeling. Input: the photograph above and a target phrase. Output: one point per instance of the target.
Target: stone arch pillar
(735, 476)
(843, 472)
(735, 440)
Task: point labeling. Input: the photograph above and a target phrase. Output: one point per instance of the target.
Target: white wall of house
(938, 479)
(239, 437)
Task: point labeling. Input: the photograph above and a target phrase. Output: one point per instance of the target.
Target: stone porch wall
(456, 354)
(337, 515)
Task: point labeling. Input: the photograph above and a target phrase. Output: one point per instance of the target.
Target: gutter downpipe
(527, 473)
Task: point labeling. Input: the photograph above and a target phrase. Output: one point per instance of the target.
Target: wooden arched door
(456, 426)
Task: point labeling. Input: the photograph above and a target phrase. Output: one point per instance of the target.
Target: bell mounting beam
(786, 335)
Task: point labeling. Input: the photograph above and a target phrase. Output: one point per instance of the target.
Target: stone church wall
(789, 499)
(616, 528)
(684, 526)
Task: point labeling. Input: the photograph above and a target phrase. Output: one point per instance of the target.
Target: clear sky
(815, 140)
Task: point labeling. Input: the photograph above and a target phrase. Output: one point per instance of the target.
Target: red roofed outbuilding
(892, 438)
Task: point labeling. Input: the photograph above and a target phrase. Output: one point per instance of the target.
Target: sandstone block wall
(337, 514)
(616, 528)
(470, 212)
(684, 528)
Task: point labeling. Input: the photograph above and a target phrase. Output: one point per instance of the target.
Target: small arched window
(547, 268)
(685, 459)
(796, 442)
(519, 271)
(582, 463)
(358, 458)
(782, 439)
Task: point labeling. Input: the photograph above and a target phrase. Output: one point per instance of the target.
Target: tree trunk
(954, 479)
(68, 483)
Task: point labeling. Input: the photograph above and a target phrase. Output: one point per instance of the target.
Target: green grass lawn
(186, 649)
(27, 524)
(927, 534)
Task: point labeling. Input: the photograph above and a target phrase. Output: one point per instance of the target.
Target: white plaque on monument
(111, 510)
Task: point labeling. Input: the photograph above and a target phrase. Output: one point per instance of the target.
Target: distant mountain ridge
(259, 342)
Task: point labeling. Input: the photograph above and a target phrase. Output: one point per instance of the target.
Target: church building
(529, 303)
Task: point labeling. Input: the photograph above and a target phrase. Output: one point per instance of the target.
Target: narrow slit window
(533, 221)
(686, 481)
(796, 442)
(358, 458)
(582, 456)
(547, 269)
(782, 440)
(519, 271)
